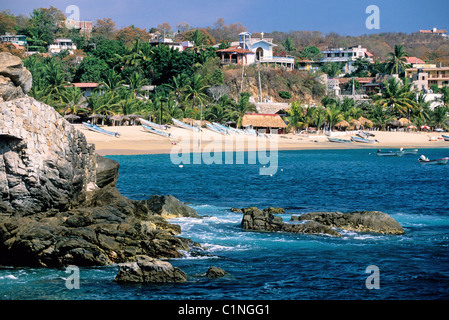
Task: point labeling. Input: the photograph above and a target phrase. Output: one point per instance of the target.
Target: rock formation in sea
(258, 220)
(361, 221)
(59, 204)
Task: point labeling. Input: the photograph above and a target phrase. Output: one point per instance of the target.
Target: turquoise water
(276, 265)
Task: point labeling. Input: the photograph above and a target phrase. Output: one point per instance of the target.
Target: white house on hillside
(250, 50)
(61, 45)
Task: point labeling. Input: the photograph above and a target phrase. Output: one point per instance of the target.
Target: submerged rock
(215, 272)
(362, 221)
(255, 219)
(149, 270)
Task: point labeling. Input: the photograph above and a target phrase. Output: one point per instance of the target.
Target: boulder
(255, 219)
(169, 207)
(15, 79)
(149, 270)
(215, 272)
(274, 210)
(106, 171)
(362, 221)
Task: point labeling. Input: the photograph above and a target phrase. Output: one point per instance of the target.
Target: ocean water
(282, 266)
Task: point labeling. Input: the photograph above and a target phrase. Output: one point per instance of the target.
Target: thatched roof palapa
(404, 122)
(342, 124)
(366, 122)
(263, 121)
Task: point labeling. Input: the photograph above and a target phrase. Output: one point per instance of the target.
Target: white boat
(410, 151)
(363, 140)
(96, 128)
(216, 129)
(183, 125)
(424, 160)
(227, 129)
(390, 153)
(155, 131)
(152, 124)
(338, 140)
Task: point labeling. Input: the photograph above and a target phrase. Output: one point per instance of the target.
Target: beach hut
(118, 118)
(342, 124)
(403, 122)
(95, 117)
(71, 117)
(264, 123)
(366, 122)
(355, 124)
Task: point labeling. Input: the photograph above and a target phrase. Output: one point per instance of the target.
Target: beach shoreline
(134, 140)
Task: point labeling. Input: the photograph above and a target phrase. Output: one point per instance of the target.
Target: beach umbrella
(412, 127)
(71, 117)
(425, 127)
(95, 117)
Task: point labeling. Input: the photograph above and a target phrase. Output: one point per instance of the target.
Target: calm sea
(282, 266)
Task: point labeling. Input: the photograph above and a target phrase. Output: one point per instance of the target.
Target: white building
(61, 45)
(180, 46)
(346, 56)
(250, 50)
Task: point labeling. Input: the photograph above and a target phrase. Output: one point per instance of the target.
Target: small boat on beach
(363, 140)
(155, 131)
(227, 129)
(183, 125)
(338, 140)
(365, 135)
(216, 129)
(424, 160)
(96, 128)
(390, 153)
(446, 138)
(153, 125)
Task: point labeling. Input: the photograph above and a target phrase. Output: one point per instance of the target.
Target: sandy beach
(135, 140)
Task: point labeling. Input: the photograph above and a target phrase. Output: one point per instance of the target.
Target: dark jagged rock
(255, 219)
(362, 221)
(58, 201)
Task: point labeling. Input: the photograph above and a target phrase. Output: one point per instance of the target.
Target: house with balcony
(62, 44)
(425, 78)
(250, 50)
(346, 56)
(19, 41)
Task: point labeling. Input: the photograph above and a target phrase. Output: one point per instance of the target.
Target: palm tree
(198, 38)
(136, 81)
(380, 116)
(397, 98)
(196, 92)
(72, 100)
(440, 116)
(332, 69)
(295, 114)
(397, 62)
(319, 117)
(241, 108)
(333, 115)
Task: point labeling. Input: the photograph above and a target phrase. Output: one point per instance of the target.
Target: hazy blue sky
(345, 17)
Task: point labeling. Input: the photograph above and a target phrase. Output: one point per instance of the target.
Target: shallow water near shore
(282, 266)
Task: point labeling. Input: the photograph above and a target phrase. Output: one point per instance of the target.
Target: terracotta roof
(413, 60)
(86, 85)
(360, 80)
(236, 49)
(263, 120)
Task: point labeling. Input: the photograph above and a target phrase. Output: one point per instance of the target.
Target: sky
(345, 17)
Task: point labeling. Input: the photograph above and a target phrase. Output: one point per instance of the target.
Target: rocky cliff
(58, 200)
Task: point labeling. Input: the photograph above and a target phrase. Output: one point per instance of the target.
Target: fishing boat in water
(410, 151)
(153, 125)
(338, 140)
(183, 125)
(390, 153)
(363, 140)
(156, 131)
(96, 128)
(424, 160)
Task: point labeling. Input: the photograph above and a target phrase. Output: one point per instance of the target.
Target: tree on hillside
(288, 45)
(397, 98)
(311, 53)
(104, 28)
(130, 34)
(332, 69)
(397, 62)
